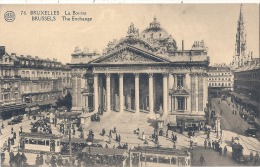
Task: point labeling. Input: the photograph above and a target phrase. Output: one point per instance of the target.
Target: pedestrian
(209, 144)
(191, 145)
(21, 129)
(14, 135)
(256, 158)
(174, 145)
(1, 132)
(176, 138)
(12, 130)
(202, 160)
(220, 150)
(11, 159)
(205, 144)
(225, 150)
(213, 145)
(48, 159)
(37, 161)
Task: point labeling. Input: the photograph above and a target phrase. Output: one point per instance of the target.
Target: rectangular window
(181, 103)
(151, 158)
(174, 160)
(32, 141)
(41, 142)
(47, 142)
(164, 160)
(26, 141)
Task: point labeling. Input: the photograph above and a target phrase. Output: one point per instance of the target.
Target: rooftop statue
(77, 49)
(132, 31)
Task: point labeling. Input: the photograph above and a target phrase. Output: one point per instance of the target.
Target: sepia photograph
(129, 85)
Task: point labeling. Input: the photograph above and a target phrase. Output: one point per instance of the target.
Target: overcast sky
(215, 24)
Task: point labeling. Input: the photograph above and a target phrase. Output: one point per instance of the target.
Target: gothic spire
(240, 46)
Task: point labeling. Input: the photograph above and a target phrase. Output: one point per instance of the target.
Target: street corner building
(143, 72)
(29, 84)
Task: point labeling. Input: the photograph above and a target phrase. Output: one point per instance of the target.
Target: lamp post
(89, 143)
(67, 121)
(145, 145)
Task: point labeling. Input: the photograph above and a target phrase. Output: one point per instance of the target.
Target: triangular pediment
(180, 91)
(129, 55)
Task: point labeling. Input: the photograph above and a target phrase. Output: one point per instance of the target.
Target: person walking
(225, 150)
(205, 144)
(202, 159)
(209, 144)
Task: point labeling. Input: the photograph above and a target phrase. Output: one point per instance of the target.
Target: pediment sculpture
(127, 57)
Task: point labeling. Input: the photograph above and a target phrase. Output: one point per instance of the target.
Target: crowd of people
(42, 125)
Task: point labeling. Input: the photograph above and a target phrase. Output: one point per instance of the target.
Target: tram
(159, 157)
(44, 142)
(77, 144)
(37, 142)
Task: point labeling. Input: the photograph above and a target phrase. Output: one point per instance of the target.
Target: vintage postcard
(129, 85)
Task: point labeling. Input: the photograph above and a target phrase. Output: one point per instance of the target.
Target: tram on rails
(40, 142)
(45, 142)
(77, 145)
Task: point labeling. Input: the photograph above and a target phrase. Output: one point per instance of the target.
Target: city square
(146, 99)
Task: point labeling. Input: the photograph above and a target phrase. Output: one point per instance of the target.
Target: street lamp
(67, 121)
(89, 143)
(145, 145)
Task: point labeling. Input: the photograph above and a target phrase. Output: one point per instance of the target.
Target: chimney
(182, 44)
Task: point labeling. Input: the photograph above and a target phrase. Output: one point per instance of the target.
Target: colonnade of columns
(146, 89)
(137, 92)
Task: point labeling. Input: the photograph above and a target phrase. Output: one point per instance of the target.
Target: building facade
(220, 79)
(142, 73)
(32, 82)
(10, 95)
(246, 85)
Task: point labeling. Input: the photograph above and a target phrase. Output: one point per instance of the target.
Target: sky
(216, 24)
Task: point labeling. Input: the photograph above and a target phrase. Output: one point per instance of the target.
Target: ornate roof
(158, 36)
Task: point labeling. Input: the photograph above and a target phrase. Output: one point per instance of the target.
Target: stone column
(205, 91)
(175, 81)
(170, 82)
(137, 102)
(151, 102)
(197, 92)
(165, 93)
(74, 91)
(96, 92)
(79, 100)
(86, 103)
(121, 92)
(108, 96)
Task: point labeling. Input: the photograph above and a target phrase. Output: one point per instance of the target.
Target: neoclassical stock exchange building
(143, 72)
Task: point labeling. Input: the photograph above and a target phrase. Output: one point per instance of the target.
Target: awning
(191, 118)
(238, 95)
(246, 99)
